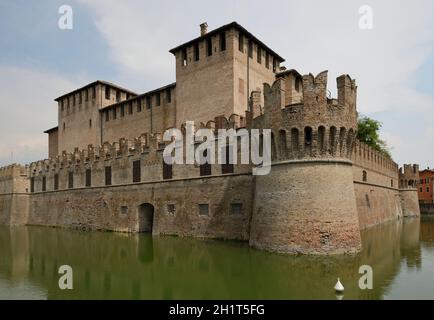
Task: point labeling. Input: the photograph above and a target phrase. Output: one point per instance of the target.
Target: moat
(126, 266)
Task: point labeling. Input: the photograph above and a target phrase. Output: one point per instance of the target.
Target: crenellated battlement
(13, 171)
(408, 176)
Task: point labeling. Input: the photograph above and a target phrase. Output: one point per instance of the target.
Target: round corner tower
(306, 204)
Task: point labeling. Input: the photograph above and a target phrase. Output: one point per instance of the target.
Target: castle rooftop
(95, 83)
(223, 28)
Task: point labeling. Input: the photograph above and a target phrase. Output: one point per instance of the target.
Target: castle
(106, 171)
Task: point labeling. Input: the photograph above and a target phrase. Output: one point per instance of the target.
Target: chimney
(203, 29)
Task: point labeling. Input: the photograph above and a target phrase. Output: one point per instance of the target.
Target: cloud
(27, 109)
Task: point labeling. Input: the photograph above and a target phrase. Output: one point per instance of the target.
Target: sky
(127, 42)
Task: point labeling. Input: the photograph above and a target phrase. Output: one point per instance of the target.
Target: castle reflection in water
(131, 266)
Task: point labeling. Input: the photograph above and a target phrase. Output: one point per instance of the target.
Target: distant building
(425, 186)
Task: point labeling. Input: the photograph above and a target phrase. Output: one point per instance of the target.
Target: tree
(368, 132)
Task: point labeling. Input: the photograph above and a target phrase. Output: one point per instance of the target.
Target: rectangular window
(80, 98)
(157, 99)
(88, 177)
(122, 111)
(267, 60)
(223, 41)
(44, 183)
(196, 51)
(70, 180)
(227, 167)
(259, 55)
(167, 171)
(236, 208)
(114, 114)
(205, 169)
(108, 176)
(86, 95)
(184, 57)
(118, 96)
(107, 116)
(32, 184)
(171, 209)
(168, 96)
(107, 93)
(148, 102)
(250, 49)
(274, 64)
(241, 42)
(62, 107)
(136, 171)
(209, 47)
(130, 108)
(124, 210)
(56, 182)
(139, 105)
(93, 93)
(73, 99)
(204, 209)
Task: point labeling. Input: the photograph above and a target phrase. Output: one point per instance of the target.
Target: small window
(148, 102)
(184, 57)
(391, 183)
(427, 189)
(297, 85)
(107, 93)
(168, 96)
(157, 99)
(139, 105)
(205, 169)
(167, 171)
(274, 64)
(118, 96)
(364, 176)
(80, 98)
(114, 114)
(241, 42)
(88, 177)
(236, 208)
(44, 183)
(32, 184)
(368, 203)
(122, 111)
(73, 99)
(108, 176)
(196, 51)
(259, 59)
(90, 123)
(171, 209)
(209, 47)
(107, 116)
(70, 180)
(56, 182)
(124, 210)
(136, 171)
(267, 60)
(86, 95)
(223, 41)
(250, 49)
(130, 108)
(64, 126)
(204, 209)
(227, 167)
(93, 93)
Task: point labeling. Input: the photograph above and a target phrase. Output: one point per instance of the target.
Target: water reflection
(125, 266)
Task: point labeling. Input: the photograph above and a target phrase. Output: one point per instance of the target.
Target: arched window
(364, 176)
(342, 141)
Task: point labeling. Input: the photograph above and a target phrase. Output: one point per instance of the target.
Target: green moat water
(122, 266)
